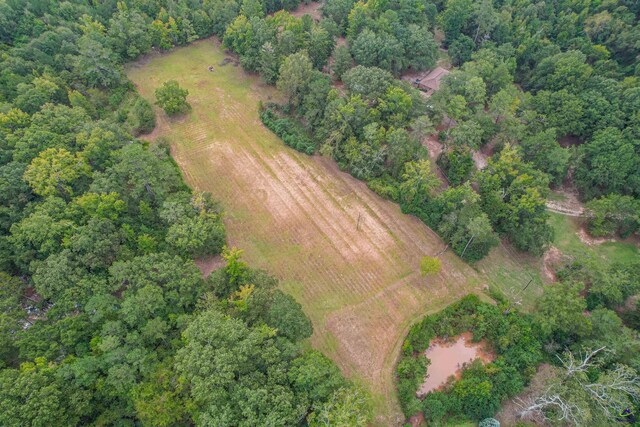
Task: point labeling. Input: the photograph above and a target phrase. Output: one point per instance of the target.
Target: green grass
(566, 239)
(509, 271)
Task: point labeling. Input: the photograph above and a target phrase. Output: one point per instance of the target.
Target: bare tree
(573, 399)
(614, 387)
(581, 364)
(536, 408)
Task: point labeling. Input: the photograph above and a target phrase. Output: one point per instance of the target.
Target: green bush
(457, 164)
(411, 372)
(288, 130)
(172, 98)
(386, 187)
(435, 406)
(141, 117)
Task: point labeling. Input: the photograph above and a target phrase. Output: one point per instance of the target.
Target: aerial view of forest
(319, 213)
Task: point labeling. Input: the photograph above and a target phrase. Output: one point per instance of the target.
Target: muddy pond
(449, 357)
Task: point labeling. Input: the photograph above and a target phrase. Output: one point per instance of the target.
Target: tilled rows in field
(349, 257)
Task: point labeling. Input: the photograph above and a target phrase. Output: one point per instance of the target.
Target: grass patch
(566, 239)
(509, 272)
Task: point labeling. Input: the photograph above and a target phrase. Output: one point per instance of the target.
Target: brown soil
(435, 148)
(209, 263)
(567, 202)
(589, 240)
(550, 262)
(31, 295)
(480, 159)
(417, 420)
(569, 141)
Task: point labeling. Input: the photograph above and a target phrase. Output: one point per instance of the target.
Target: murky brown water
(448, 358)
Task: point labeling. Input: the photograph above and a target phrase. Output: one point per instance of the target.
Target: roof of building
(426, 80)
(432, 80)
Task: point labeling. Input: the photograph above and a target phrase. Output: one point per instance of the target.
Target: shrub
(172, 98)
(457, 164)
(435, 406)
(288, 130)
(141, 117)
(430, 265)
(385, 187)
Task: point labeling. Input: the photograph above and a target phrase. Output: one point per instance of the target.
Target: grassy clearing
(567, 239)
(509, 272)
(296, 216)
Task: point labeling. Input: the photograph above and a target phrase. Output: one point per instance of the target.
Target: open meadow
(348, 256)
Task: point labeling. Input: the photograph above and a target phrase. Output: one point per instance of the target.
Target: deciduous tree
(342, 61)
(295, 74)
(56, 172)
(172, 98)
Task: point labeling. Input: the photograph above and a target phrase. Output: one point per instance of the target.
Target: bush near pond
(478, 393)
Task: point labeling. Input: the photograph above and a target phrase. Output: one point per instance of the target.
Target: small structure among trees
(427, 81)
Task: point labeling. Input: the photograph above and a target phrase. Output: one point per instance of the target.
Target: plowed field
(348, 256)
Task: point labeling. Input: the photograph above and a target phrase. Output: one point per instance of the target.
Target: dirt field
(297, 216)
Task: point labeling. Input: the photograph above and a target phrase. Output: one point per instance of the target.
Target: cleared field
(571, 238)
(350, 257)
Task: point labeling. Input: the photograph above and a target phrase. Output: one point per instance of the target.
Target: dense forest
(105, 318)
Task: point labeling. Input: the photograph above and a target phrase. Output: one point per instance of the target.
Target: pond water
(449, 357)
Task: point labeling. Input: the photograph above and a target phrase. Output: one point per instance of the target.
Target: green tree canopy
(295, 75)
(56, 172)
(172, 98)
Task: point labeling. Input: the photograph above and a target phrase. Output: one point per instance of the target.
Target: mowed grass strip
(297, 217)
